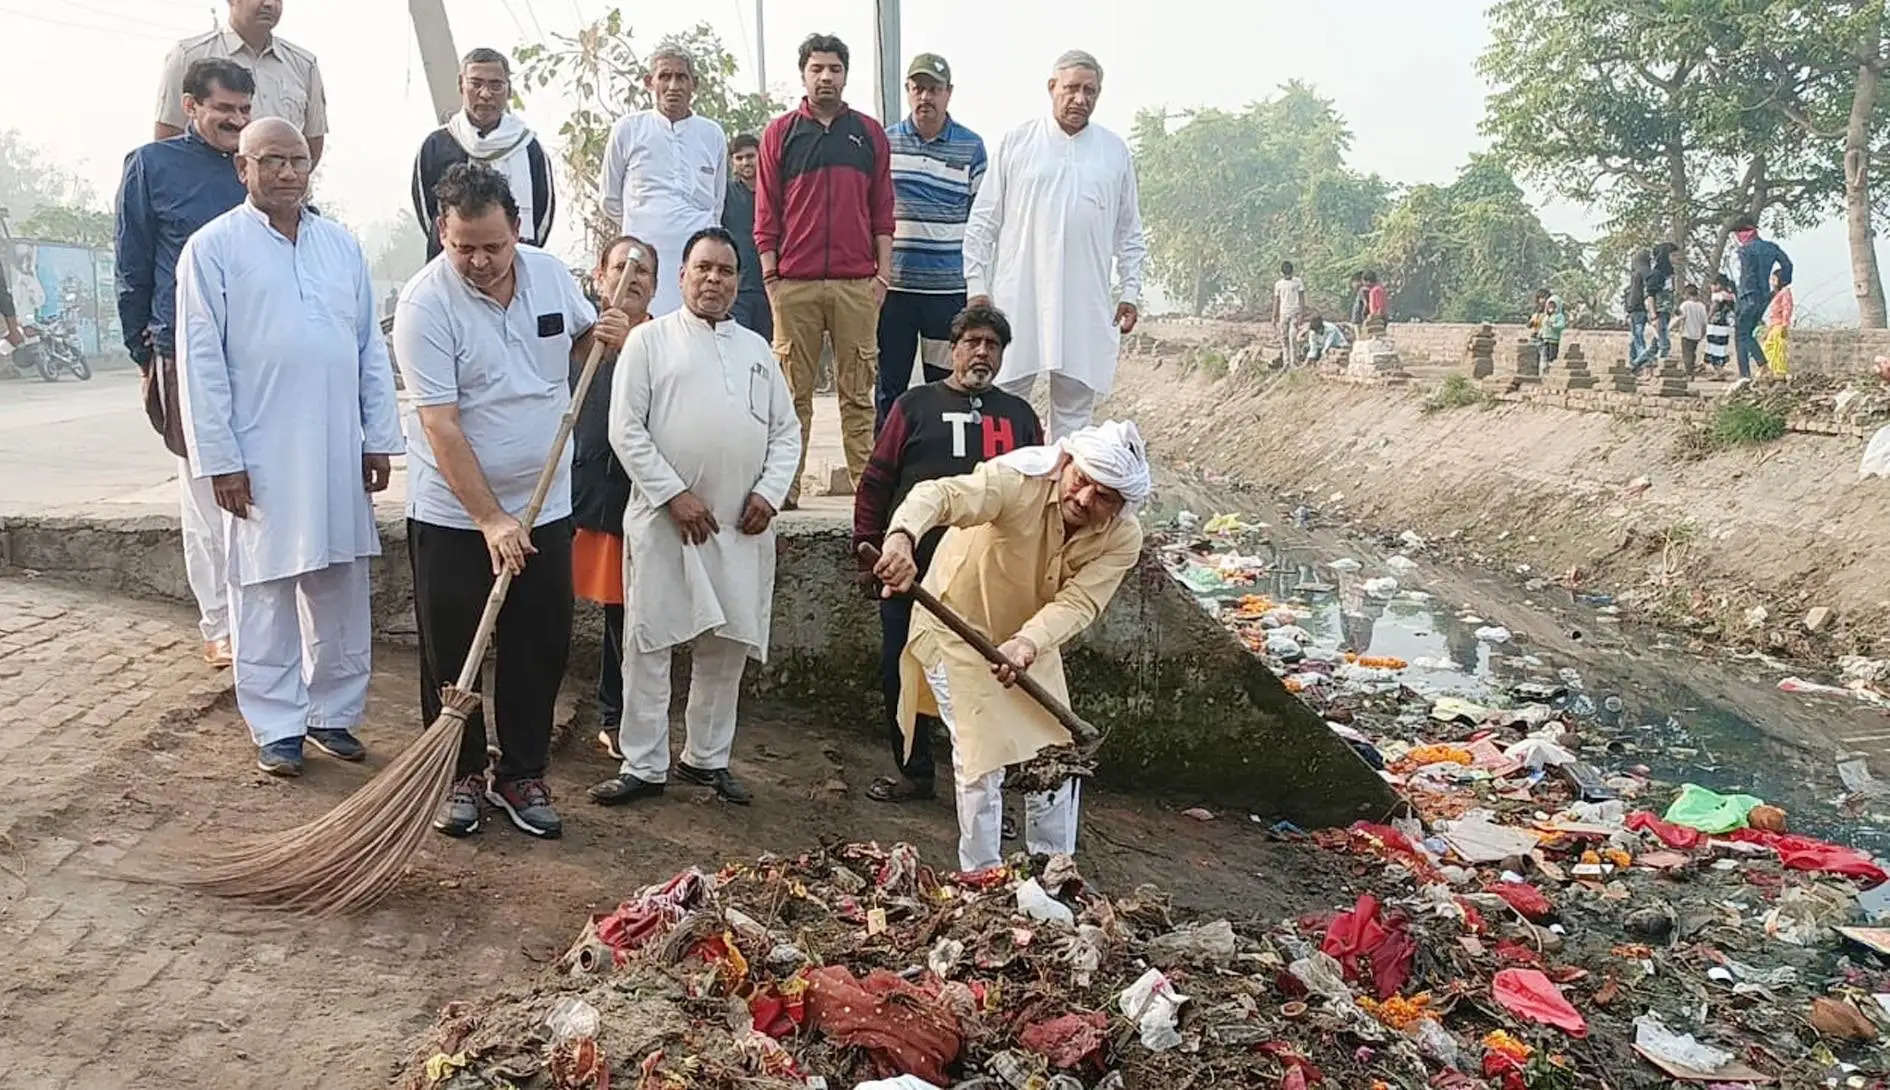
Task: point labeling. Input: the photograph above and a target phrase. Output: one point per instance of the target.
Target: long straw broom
(356, 853)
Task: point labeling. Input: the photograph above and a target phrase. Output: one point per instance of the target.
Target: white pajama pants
(304, 651)
(1071, 402)
(206, 553)
(1049, 818)
(715, 685)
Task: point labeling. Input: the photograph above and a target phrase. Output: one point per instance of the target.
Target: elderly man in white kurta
(666, 170)
(288, 406)
(1057, 209)
(702, 419)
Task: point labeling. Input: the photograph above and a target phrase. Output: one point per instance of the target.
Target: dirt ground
(1622, 503)
(120, 750)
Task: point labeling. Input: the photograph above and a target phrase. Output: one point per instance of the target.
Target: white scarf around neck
(506, 150)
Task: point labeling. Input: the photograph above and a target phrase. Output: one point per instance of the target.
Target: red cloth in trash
(903, 1030)
(1809, 853)
(1524, 898)
(1527, 993)
(650, 914)
(1067, 1041)
(1360, 933)
(775, 1014)
(1291, 1059)
(1383, 840)
(1674, 836)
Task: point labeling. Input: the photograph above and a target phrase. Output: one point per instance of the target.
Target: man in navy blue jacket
(171, 188)
(1757, 256)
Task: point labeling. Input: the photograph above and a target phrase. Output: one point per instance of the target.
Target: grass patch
(1455, 392)
(1211, 362)
(1745, 423)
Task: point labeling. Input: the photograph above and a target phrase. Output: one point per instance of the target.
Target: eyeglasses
(273, 163)
(496, 86)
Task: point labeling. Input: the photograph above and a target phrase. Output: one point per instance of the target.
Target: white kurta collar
(1056, 127)
(258, 215)
(696, 321)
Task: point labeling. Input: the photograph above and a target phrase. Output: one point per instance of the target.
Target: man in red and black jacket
(941, 429)
(824, 227)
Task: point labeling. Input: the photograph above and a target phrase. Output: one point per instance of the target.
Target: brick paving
(119, 750)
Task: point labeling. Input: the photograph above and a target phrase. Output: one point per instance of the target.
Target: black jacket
(1634, 299)
(439, 151)
(600, 489)
(738, 219)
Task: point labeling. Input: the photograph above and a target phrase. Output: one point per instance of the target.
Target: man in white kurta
(666, 170)
(703, 422)
(1056, 212)
(288, 406)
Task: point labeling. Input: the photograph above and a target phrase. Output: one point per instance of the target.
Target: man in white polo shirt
(486, 335)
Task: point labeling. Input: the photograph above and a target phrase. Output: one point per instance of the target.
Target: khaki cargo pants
(845, 310)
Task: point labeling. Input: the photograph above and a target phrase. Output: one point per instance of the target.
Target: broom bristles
(355, 854)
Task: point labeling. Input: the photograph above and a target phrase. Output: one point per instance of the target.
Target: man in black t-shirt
(941, 429)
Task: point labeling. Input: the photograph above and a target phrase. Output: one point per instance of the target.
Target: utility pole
(761, 53)
(437, 55)
(890, 80)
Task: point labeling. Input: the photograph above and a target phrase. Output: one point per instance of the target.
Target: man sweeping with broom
(485, 335)
(1043, 537)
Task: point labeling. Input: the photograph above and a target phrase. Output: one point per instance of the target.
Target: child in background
(1692, 323)
(1553, 323)
(1778, 324)
(1719, 326)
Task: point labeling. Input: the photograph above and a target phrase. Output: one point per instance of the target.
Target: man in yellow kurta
(1041, 539)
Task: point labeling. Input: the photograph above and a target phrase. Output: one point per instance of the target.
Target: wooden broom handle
(1080, 730)
(469, 670)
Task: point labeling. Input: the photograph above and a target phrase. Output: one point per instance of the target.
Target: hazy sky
(80, 76)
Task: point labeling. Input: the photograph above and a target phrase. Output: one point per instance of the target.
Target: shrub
(1455, 392)
(1742, 423)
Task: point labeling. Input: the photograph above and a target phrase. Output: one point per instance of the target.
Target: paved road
(68, 446)
(86, 448)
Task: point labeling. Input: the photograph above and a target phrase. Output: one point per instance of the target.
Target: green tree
(1635, 106)
(1470, 251)
(1228, 196)
(1821, 67)
(28, 182)
(65, 223)
(602, 69)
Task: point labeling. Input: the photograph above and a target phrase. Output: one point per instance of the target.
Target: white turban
(1110, 453)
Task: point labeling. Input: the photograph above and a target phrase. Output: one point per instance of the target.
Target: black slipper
(900, 789)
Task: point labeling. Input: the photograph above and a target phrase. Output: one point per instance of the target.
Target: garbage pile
(1546, 916)
(1537, 920)
(859, 966)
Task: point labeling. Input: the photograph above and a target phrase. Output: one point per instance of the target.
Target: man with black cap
(936, 167)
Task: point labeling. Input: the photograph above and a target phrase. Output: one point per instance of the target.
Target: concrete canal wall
(1187, 709)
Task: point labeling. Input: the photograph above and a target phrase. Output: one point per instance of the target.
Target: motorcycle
(52, 349)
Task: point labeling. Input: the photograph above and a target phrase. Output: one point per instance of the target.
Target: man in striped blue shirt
(936, 167)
